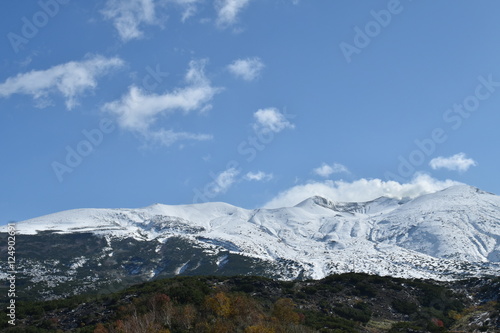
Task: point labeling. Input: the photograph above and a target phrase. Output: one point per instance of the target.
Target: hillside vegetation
(338, 303)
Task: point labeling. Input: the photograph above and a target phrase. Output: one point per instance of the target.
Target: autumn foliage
(220, 312)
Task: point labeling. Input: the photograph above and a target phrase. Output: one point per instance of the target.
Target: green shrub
(404, 307)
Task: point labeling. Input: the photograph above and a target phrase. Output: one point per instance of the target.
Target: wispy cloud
(360, 190)
(258, 176)
(228, 10)
(271, 120)
(248, 69)
(458, 162)
(129, 15)
(168, 137)
(225, 180)
(189, 7)
(138, 110)
(71, 80)
(325, 170)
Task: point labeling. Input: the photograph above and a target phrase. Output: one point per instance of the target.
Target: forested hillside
(338, 303)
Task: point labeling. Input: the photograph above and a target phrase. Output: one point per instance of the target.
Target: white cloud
(169, 137)
(228, 10)
(360, 190)
(271, 120)
(458, 162)
(71, 80)
(225, 180)
(326, 170)
(258, 176)
(248, 69)
(189, 7)
(138, 110)
(128, 15)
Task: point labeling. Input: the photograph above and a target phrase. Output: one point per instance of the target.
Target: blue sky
(251, 102)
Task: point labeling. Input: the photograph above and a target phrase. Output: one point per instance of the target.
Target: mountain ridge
(447, 235)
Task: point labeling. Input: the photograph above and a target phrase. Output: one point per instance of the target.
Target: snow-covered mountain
(451, 234)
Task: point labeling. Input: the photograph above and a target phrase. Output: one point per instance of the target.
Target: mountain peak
(322, 201)
(368, 207)
(465, 189)
(316, 201)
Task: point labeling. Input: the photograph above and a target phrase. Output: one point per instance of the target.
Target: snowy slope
(445, 235)
(461, 223)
